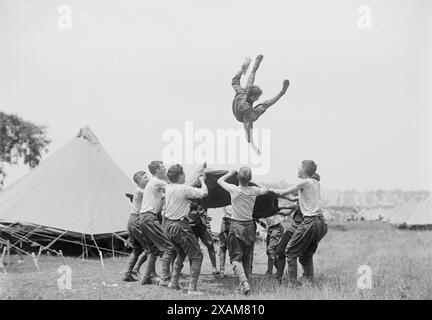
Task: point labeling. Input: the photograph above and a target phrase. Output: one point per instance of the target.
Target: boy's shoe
(146, 281)
(222, 274)
(137, 274)
(152, 280)
(245, 288)
(215, 271)
(129, 278)
(269, 274)
(174, 286)
(164, 283)
(195, 293)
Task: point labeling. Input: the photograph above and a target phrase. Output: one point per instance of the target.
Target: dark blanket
(265, 205)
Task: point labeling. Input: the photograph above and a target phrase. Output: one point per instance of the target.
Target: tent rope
(16, 233)
(74, 242)
(100, 253)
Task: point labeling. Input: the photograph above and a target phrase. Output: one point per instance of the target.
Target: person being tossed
(242, 105)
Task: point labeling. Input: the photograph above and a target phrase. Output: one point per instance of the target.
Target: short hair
(254, 90)
(138, 176)
(309, 166)
(244, 175)
(154, 165)
(174, 172)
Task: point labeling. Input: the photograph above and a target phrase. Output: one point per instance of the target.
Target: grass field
(401, 263)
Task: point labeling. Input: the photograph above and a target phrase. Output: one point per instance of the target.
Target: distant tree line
(20, 139)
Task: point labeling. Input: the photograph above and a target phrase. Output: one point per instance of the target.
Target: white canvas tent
(79, 189)
(401, 215)
(423, 215)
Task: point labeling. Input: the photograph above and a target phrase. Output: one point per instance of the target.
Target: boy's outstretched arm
(291, 190)
(268, 103)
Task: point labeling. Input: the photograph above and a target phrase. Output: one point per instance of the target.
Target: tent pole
(8, 253)
(82, 246)
(112, 246)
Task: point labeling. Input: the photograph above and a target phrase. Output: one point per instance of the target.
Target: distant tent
(423, 215)
(372, 214)
(404, 212)
(79, 190)
(386, 214)
(393, 212)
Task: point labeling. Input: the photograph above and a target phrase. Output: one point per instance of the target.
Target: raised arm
(195, 176)
(291, 190)
(222, 180)
(197, 193)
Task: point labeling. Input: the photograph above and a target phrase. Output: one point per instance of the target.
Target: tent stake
(35, 261)
(61, 255)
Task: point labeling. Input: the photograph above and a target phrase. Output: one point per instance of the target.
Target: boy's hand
(232, 172)
(285, 85)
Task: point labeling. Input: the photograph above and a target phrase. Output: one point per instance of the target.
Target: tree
(20, 139)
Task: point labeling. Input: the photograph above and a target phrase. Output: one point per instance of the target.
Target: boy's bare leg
(245, 65)
(262, 107)
(251, 78)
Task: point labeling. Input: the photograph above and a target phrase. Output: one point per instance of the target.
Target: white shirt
(177, 205)
(243, 200)
(137, 200)
(309, 198)
(153, 195)
(227, 212)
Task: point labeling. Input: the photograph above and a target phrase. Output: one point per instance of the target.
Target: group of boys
(161, 226)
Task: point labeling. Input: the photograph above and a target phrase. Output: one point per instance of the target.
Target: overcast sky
(359, 103)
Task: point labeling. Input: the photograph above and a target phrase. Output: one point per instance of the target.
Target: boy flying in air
(242, 106)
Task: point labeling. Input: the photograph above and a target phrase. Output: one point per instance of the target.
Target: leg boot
(280, 267)
(308, 269)
(270, 264)
(141, 259)
(129, 276)
(151, 262)
(240, 273)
